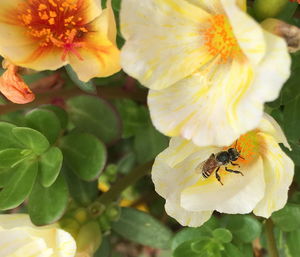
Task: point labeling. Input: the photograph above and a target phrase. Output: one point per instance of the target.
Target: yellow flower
(19, 237)
(209, 65)
(47, 34)
(186, 176)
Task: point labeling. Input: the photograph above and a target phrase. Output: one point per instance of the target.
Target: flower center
(249, 146)
(220, 39)
(54, 23)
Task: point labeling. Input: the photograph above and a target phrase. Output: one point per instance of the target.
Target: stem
(124, 182)
(107, 92)
(273, 252)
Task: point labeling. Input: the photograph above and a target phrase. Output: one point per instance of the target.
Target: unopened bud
(89, 238)
(268, 8)
(290, 33)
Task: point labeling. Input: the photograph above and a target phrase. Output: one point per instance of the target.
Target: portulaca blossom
(191, 198)
(209, 65)
(19, 237)
(47, 34)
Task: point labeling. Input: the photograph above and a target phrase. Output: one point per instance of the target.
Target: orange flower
(13, 87)
(47, 34)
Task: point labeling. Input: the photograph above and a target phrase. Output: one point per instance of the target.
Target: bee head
(233, 154)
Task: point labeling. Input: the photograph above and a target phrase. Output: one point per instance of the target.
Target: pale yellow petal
(247, 31)
(239, 194)
(99, 57)
(187, 218)
(211, 6)
(163, 40)
(204, 107)
(278, 176)
(90, 9)
(15, 220)
(269, 126)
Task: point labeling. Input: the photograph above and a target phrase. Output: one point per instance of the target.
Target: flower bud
(290, 33)
(113, 212)
(268, 8)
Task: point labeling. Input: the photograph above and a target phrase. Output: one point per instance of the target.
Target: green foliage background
(52, 159)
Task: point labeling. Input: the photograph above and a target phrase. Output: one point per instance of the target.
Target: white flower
(191, 198)
(20, 238)
(209, 65)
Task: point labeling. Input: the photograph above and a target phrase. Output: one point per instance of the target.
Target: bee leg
(218, 176)
(234, 171)
(235, 164)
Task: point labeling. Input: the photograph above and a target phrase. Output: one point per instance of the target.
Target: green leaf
(127, 163)
(19, 185)
(232, 251)
(81, 191)
(31, 139)
(84, 154)
(7, 139)
(11, 157)
(4, 177)
(59, 112)
(94, 115)
(88, 87)
(198, 248)
(140, 227)
(47, 205)
(190, 234)
(243, 227)
(105, 248)
(44, 121)
(293, 243)
(50, 165)
(134, 117)
(288, 218)
(148, 143)
(292, 119)
(222, 235)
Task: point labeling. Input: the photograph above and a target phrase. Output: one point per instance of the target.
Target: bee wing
(200, 166)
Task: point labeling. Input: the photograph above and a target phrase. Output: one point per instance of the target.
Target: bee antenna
(241, 157)
(235, 144)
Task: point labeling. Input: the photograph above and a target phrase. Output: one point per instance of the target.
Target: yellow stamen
(220, 40)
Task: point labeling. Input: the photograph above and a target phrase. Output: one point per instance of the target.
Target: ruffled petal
(170, 177)
(204, 107)
(239, 194)
(247, 31)
(164, 43)
(187, 218)
(269, 126)
(278, 176)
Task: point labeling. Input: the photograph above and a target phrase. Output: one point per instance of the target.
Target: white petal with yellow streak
(278, 176)
(211, 6)
(247, 31)
(164, 43)
(203, 107)
(239, 194)
(186, 218)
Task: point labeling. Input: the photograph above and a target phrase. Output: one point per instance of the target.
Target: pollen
(220, 40)
(58, 23)
(249, 146)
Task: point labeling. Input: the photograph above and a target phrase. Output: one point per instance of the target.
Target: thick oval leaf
(19, 185)
(12, 156)
(148, 143)
(84, 154)
(7, 139)
(142, 228)
(293, 243)
(245, 228)
(222, 235)
(81, 191)
(45, 122)
(60, 113)
(50, 165)
(85, 86)
(288, 218)
(31, 139)
(47, 205)
(94, 115)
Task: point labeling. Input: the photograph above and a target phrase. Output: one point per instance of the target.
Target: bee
(215, 161)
